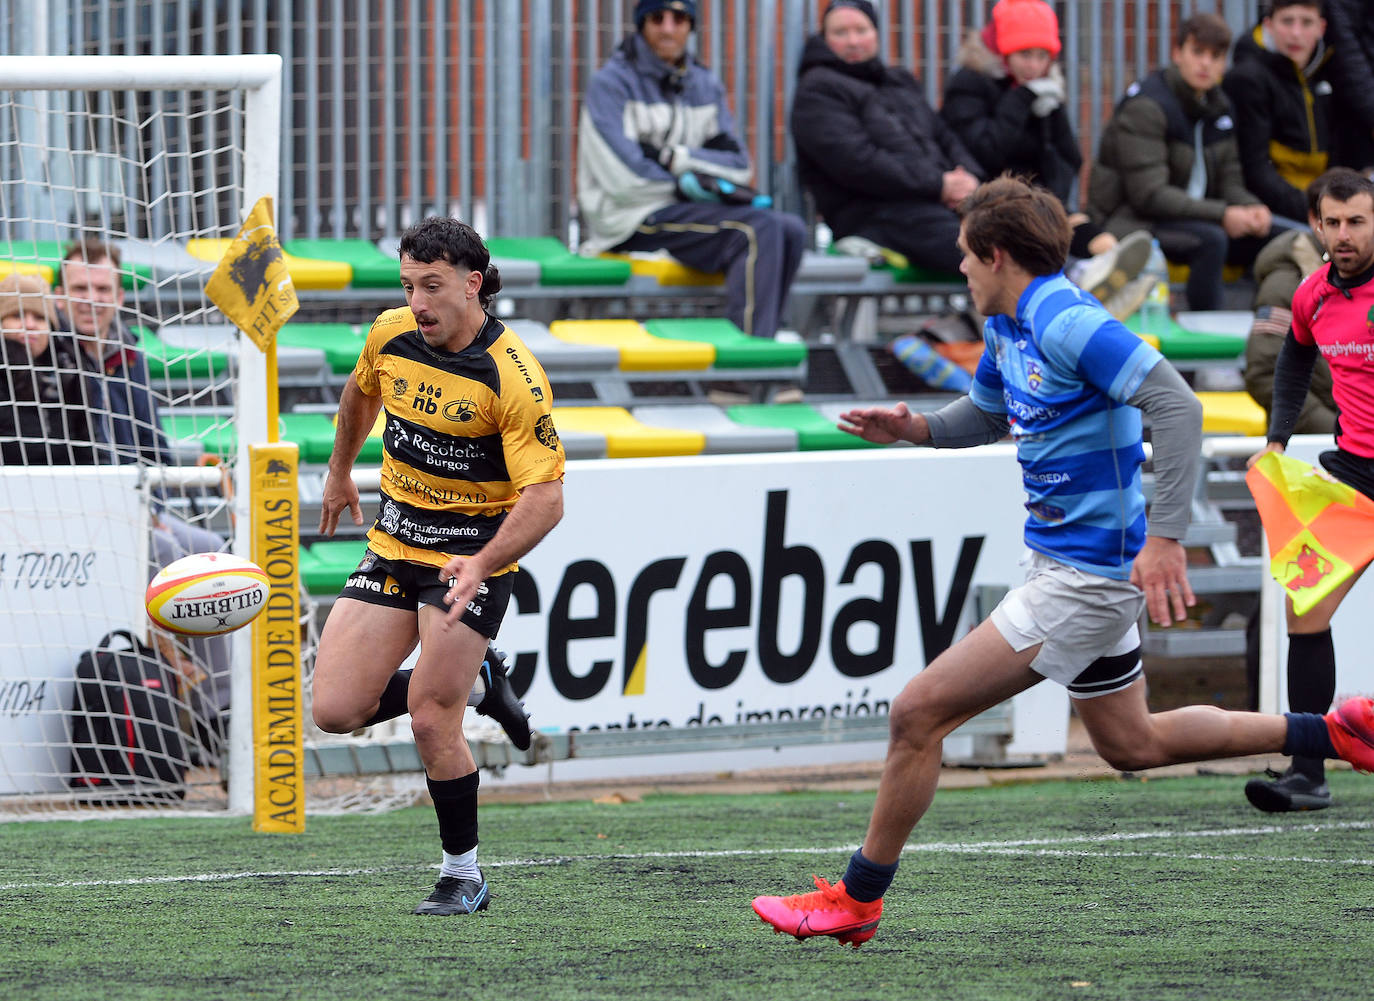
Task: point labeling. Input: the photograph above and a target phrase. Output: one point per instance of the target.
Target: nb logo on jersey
(425, 395)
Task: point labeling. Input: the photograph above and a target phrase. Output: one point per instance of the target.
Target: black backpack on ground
(132, 725)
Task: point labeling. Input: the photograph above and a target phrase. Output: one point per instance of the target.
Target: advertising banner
(70, 572)
(691, 592)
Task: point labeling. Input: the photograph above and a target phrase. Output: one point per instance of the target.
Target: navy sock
(393, 700)
(1307, 737)
(866, 881)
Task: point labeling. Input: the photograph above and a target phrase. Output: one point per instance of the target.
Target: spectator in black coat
(1350, 32)
(871, 150)
(1006, 104)
(1281, 91)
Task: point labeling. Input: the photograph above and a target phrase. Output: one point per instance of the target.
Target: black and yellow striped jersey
(463, 434)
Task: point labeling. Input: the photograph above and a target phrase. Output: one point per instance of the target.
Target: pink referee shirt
(1340, 322)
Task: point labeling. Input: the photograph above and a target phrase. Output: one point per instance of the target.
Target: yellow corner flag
(252, 285)
(1319, 530)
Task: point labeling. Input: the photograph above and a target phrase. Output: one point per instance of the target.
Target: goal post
(149, 156)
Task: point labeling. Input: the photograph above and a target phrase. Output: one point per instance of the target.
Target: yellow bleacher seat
(627, 438)
(639, 350)
(1232, 413)
(8, 268)
(306, 272)
(1230, 273)
(666, 270)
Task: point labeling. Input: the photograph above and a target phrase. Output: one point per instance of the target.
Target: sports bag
(126, 723)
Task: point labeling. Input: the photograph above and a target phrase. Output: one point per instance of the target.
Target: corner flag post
(253, 288)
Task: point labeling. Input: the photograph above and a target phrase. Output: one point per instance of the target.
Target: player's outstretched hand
(1161, 571)
(884, 425)
(339, 492)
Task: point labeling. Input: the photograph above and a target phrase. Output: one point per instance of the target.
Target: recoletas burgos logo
(546, 433)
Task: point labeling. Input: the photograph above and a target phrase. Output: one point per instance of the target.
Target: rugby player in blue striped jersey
(1068, 383)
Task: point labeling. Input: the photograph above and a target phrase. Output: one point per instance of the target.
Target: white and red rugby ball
(206, 594)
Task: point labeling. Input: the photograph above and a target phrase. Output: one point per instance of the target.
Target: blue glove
(691, 188)
(762, 201)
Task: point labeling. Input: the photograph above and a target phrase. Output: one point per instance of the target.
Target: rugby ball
(206, 594)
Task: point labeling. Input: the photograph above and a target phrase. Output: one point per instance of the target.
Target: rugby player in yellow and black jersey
(472, 479)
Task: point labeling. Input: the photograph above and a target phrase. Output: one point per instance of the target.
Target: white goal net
(125, 402)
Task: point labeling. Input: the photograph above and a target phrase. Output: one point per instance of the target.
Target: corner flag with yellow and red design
(1319, 530)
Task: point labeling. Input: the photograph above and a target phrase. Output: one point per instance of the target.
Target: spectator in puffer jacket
(1280, 85)
(1168, 161)
(660, 167)
(878, 160)
(1006, 103)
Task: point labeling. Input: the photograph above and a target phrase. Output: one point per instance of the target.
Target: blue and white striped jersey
(1062, 371)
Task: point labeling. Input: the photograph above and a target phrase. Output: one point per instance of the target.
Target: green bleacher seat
(1186, 345)
(557, 264)
(330, 563)
(166, 362)
(340, 342)
(312, 433)
(371, 267)
(815, 431)
(734, 348)
(215, 432)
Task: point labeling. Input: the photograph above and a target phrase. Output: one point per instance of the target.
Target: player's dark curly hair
(1025, 221)
(442, 238)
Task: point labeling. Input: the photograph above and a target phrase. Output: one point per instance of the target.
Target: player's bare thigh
(976, 673)
(450, 656)
(361, 647)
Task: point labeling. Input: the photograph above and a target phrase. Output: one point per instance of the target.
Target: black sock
(866, 880)
(1311, 687)
(393, 702)
(455, 804)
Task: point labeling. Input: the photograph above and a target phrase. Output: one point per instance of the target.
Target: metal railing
(395, 109)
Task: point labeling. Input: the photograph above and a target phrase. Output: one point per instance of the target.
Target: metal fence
(395, 109)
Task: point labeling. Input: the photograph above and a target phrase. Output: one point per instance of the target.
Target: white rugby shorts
(1086, 625)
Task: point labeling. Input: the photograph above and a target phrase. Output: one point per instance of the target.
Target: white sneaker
(1126, 302)
(862, 246)
(1109, 272)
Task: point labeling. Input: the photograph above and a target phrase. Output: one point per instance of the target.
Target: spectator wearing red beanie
(1006, 103)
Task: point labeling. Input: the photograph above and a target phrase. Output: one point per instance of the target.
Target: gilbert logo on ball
(206, 594)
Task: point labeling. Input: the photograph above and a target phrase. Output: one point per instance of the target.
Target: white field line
(1039, 847)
